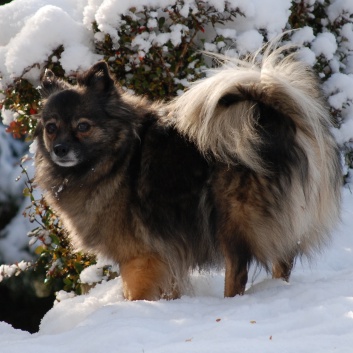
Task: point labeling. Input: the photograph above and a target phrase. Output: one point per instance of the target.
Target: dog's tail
(269, 116)
(223, 114)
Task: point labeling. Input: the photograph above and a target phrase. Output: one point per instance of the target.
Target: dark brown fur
(135, 188)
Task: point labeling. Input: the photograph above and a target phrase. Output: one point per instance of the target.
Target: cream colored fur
(310, 209)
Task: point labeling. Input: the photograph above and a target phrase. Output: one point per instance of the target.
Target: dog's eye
(83, 127)
(51, 128)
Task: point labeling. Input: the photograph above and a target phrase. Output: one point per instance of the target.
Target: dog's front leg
(147, 277)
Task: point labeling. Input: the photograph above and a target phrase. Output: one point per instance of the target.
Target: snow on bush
(13, 270)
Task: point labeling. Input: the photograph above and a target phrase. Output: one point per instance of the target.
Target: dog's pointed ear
(49, 84)
(98, 78)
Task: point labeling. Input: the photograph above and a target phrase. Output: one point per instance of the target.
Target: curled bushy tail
(269, 116)
(221, 113)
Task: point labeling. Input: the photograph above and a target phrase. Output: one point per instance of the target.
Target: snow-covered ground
(313, 313)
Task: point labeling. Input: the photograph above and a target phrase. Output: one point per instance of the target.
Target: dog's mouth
(69, 160)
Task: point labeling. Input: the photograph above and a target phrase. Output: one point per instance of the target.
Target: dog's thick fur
(241, 167)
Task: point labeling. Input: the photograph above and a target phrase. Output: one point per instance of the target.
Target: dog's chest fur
(91, 211)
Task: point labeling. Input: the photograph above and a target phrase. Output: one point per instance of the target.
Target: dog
(242, 167)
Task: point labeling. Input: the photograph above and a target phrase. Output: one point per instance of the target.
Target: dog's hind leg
(283, 268)
(147, 277)
(237, 260)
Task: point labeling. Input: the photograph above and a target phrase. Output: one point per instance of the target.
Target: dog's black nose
(61, 150)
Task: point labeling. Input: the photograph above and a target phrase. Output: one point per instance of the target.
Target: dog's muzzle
(64, 156)
(61, 150)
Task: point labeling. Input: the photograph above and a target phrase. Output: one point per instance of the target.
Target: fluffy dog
(240, 168)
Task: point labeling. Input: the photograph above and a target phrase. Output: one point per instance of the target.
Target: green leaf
(67, 281)
(26, 192)
(39, 250)
(78, 267)
(55, 239)
(161, 21)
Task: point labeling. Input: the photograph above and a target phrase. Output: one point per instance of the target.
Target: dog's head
(79, 123)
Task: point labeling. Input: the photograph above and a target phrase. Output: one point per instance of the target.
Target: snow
(324, 44)
(313, 313)
(25, 21)
(303, 35)
(11, 270)
(338, 7)
(249, 41)
(48, 22)
(270, 15)
(7, 116)
(94, 273)
(307, 55)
